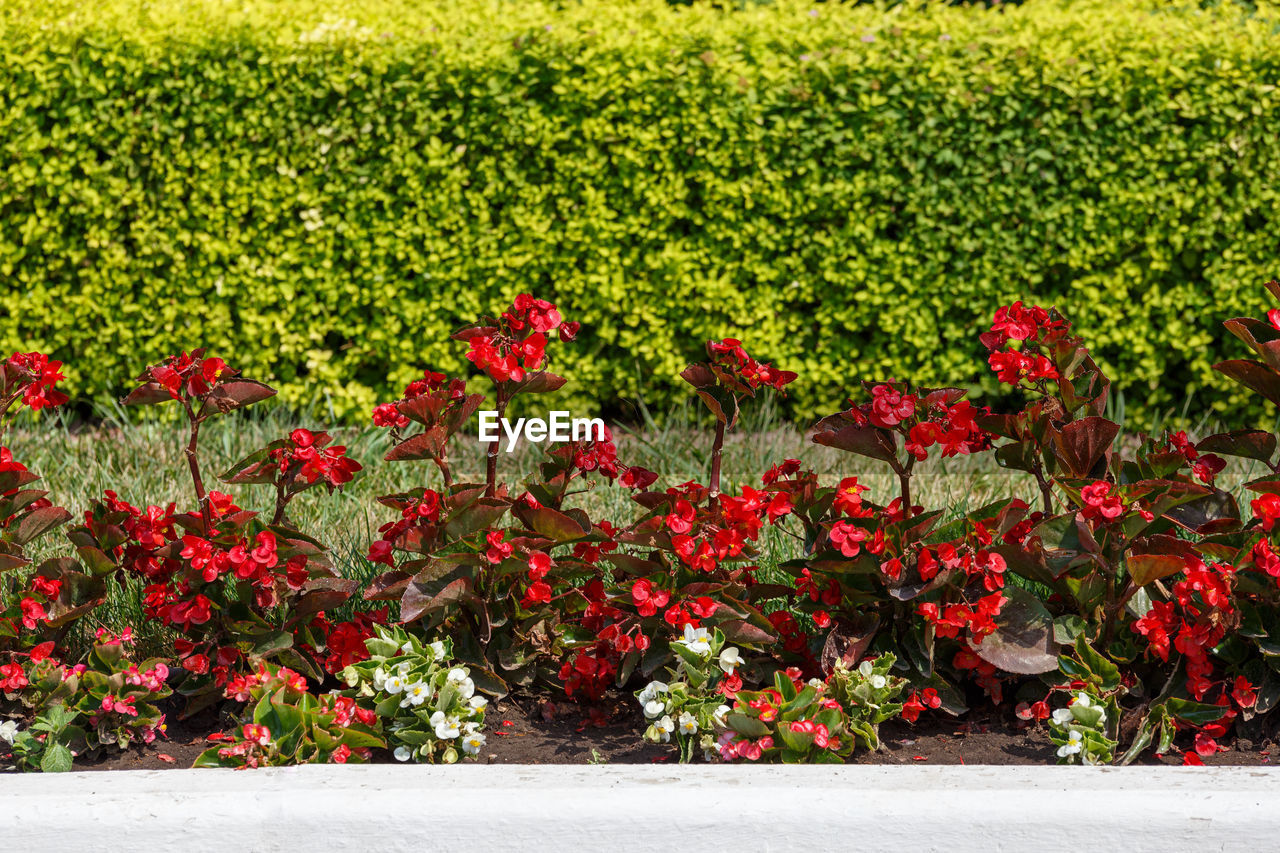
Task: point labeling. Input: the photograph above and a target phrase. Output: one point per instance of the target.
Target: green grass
(143, 463)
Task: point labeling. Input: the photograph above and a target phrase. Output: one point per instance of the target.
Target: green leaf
(746, 726)
(56, 759)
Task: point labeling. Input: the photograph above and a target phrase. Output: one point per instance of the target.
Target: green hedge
(320, 191)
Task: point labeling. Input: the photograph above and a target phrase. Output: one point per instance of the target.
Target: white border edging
(669, 808)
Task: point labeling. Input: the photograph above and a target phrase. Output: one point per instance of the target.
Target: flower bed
(1128, 613)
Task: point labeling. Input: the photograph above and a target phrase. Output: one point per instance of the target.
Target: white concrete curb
(603, 808)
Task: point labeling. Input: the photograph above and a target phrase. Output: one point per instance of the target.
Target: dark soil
(525, 730)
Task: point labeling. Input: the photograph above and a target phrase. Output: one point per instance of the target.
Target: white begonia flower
(403, 667)
(730, 659)
(477, 703)
(470, 726)
(466, 687)
(719, 715)
(651, 691)
(402, 753)
(437, 650)
(8, 731)
(447, 728)
(472, 743)
(696, 640)
(665, 727)
(656, 708)
(1075, 741)
(878, 681)
(817, 684)
(1062, 716)
(407, 648)
(394, 684)
(865, 668)
(379, 678)
(415, 694)
(688, 724)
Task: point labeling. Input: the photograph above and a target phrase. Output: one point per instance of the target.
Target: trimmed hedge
(320, 191)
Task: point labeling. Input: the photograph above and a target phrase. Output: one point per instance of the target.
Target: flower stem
(717, 450)
(193, 462)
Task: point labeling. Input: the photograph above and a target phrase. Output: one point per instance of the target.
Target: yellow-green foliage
(320, 191)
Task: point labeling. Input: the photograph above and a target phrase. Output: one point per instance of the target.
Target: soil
(524, 730)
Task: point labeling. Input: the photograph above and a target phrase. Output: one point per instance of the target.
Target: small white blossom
(8, 731)
(719, 715)
(394, 684)
(415, 694)
(447, 728)
(664, 727)
(651, 691)
(472, 743)
(437, 650)
(466, 687)
(1072, 746)
(688, 724)
(696, 640)
(878, 681)
(477, 703)
(379, 679)
(1062, 716)
(730, 659)
(656, 708)
(402, 753)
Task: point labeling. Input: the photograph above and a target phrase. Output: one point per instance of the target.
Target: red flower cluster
(1018, 322)
(187, 377)
(953, 428)
(518, 344)
(12, 677)
(949, 620)
(1102, 505)
(1012, 367)
(1033, 327)
(421, 514)
(452, 392)
(32, 376)
(703, 538)
(918, 701)
(1193, 622)
(1266, 508)
(344, 641)
(313, 461)
(730, 356)
(1203, 466)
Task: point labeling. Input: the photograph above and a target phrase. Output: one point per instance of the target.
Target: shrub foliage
(329, 195)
